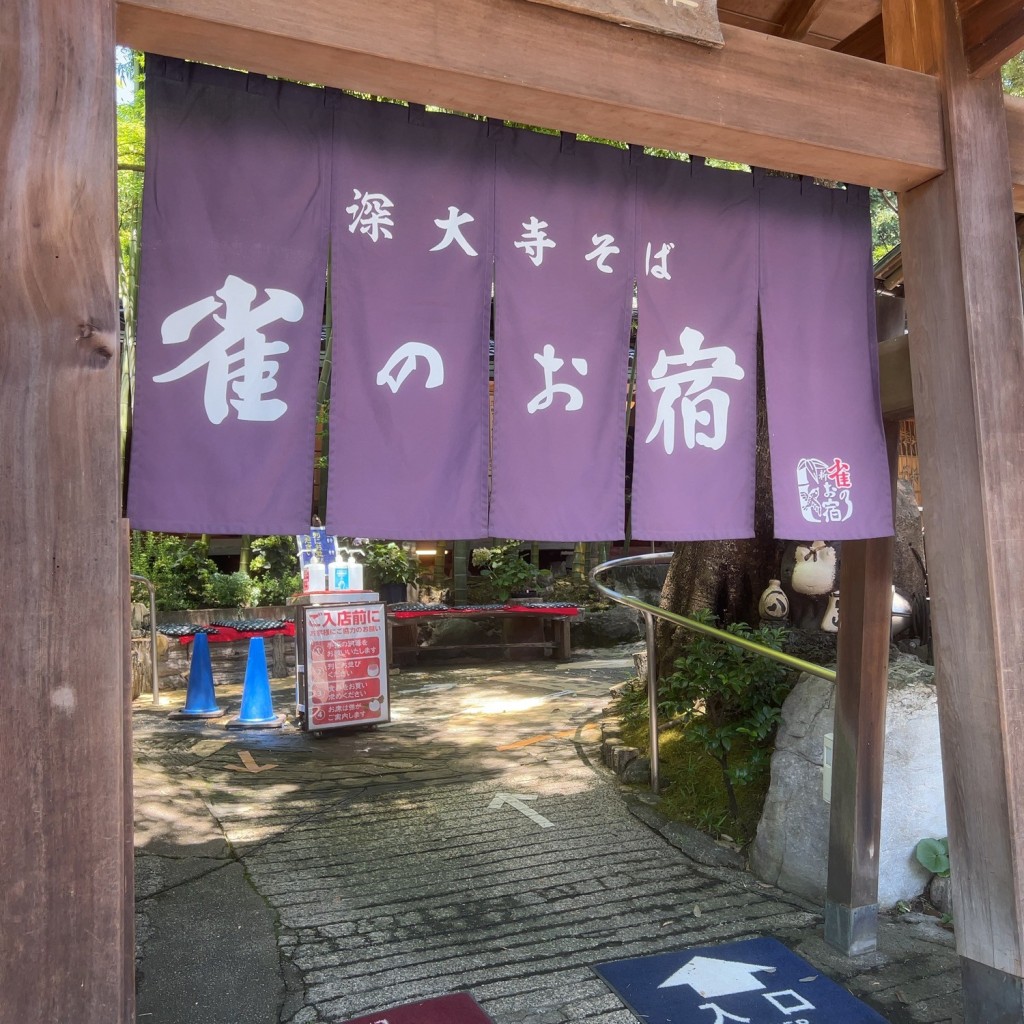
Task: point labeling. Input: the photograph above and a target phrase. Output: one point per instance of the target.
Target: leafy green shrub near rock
(722, 695)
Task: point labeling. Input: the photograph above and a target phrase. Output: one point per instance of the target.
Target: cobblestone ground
(386, 875)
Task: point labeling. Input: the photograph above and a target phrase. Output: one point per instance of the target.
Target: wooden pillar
(460, 572)
(65, 901)
(967, 356)
(858, 738)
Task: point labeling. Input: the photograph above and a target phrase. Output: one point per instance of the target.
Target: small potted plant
(389, 569)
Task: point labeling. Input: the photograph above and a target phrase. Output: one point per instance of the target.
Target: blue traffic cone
(257, 711)
(199, 699)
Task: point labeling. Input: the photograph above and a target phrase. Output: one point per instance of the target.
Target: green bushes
(387, 562)
(721, 694)
(179, 569)
(505, 571)
(274, 569)
(186, 577)
(719, 712)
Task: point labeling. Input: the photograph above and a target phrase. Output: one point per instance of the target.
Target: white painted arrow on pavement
(516, 800)
(712, 978)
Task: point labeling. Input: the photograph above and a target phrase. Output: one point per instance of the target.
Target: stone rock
(456, 632)
(791, 846)
(812, 645)
(940, 893)
(140, 615)
(643, 581)
(638, 771)
(607, 627)
(640, 664)
(622, 757)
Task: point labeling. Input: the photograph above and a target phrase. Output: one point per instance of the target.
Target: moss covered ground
(692, 788)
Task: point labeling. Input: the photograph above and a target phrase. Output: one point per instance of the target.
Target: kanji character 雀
(237, 356)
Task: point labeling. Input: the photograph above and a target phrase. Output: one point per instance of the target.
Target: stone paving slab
(386, 876)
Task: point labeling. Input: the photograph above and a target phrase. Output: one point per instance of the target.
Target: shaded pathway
(369, 869)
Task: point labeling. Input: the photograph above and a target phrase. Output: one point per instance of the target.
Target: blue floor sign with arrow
(757, 981)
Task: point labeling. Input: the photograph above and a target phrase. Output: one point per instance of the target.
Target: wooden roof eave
(760, 100)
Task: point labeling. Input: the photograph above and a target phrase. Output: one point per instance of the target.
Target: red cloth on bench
(228, 634)
(529, 609)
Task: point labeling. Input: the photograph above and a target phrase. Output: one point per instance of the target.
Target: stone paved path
(369, 869)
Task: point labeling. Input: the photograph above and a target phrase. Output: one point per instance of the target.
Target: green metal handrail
(651, 611)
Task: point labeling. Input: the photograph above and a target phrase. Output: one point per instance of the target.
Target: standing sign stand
(341, 673)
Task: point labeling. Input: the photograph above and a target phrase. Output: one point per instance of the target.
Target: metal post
(651, 611)
(652, 699)
(152, 634)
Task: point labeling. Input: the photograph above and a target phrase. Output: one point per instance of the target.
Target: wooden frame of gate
(932, 124)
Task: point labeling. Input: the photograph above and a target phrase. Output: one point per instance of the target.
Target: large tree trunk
(725, 577)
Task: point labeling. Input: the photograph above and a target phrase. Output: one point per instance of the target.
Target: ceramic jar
(830, 620)
(773, 603)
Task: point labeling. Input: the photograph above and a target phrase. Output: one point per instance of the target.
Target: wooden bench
(554, 621)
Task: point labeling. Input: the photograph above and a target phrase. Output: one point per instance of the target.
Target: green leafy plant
(933, 855)
(387, 562)
(229, 590)
(506, 571)
(723, 695)
(274, 569)
(179, 569)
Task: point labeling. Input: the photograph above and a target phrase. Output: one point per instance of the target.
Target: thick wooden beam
(867, 42)
(799, 16)
(759, 100)
(966, 339)
(65, 900)
(855, 818)
(993, 32)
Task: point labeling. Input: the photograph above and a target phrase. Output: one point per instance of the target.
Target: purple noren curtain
(696, 417)
(231, 290)
(830, 473)
(411, 285)
(564, 285)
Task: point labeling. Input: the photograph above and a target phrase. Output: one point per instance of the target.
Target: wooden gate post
(65, 900)
(967, 355)
(862, 689)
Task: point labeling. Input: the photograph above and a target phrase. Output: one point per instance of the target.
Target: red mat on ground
(460, 1008)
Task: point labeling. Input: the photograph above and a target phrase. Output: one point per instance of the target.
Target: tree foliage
(1013, 75)
(885, 223)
